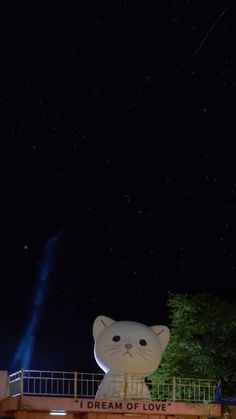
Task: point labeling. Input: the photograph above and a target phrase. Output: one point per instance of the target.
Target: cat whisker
(142, 355)
(113, 346)
(114, 353)
(146, 353)
(117, 348)
(146, 349)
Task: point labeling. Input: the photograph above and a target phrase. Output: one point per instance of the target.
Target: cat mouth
(127, 352)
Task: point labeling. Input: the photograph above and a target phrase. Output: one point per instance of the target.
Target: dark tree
(203, 339)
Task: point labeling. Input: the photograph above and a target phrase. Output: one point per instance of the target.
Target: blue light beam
(24, 352)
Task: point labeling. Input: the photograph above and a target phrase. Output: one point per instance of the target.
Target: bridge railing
(84, 385)
(54, 383)
(183, 389)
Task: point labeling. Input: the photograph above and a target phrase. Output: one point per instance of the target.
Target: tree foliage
(203, 339)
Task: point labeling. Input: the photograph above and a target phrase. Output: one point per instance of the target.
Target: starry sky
(118, 133)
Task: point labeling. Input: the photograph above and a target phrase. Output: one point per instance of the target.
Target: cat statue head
(127, 346)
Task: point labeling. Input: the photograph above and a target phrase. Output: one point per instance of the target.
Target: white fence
(85, 385)
(54, 383)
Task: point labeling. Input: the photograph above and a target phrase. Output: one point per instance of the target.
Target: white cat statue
(127, 352)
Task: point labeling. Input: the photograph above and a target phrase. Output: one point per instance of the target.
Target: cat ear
(99, 324)
(163, 333)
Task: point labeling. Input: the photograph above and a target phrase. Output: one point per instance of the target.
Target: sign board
(116, 406)
(146, 407)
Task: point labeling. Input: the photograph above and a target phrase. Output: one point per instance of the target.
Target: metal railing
(54, 383)
(183, 389)
(85, 385)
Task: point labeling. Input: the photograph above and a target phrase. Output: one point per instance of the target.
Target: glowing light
(23, 354)
(58, 412)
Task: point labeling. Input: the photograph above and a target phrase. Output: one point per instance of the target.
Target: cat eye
(116, 338)
(143, 342)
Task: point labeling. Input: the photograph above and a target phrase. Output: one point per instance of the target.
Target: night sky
(118, 133)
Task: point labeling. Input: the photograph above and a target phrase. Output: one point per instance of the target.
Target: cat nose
(128, 346)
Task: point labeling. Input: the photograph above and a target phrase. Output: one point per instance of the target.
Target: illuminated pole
(174, 389)
(22, 382)
(75, 384)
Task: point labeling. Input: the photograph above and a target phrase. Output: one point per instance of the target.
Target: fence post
(75, 384)
(174, 389)
(22, 382)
